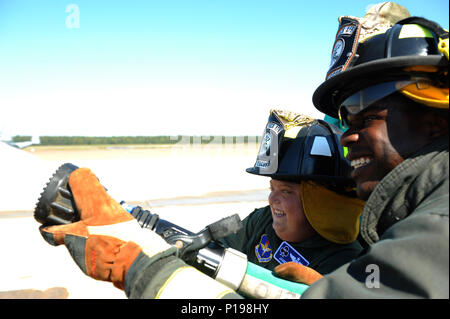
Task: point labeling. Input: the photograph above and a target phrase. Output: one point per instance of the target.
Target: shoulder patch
(263, 250)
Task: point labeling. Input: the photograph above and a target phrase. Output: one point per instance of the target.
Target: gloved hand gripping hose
(56, 206)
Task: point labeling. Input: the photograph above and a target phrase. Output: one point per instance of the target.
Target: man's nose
(349, 137)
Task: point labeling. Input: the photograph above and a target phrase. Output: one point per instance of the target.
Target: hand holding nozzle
(99, 233)
(104, 239)
(75, 207)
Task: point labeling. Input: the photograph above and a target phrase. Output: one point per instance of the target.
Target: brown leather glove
(94, 205)
(296, 272)
(107, 239)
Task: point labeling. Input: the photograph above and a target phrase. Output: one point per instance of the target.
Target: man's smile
(359, 162)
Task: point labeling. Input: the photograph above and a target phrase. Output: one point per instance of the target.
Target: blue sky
(171, 67)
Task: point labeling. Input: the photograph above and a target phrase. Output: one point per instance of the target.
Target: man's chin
(364, 189)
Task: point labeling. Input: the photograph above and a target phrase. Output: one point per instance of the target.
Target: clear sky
(195, 67)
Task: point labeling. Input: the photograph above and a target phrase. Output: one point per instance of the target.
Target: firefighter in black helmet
(371, 60)
(388, 83)
(313, 214)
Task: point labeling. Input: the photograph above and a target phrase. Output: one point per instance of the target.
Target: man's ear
(436, 124)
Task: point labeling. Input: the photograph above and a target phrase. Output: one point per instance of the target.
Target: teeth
(278, 213)
(356, 163)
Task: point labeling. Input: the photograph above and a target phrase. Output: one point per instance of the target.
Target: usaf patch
(263, 251)
(286, 253)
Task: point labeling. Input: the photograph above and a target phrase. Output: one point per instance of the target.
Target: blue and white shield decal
(286, 253)
(263, 251)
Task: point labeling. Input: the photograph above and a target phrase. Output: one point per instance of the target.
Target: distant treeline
(21, 138)
(108, 140)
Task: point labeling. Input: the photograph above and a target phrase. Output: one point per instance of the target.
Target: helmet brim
(282, 177)
(339, 181)
(328, 93)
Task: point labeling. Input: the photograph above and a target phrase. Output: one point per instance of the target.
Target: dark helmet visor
(364, 98)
